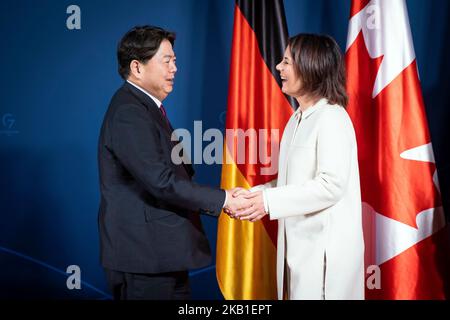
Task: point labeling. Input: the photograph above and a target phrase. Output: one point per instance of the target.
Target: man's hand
(255, 211)
(235, 203)
(240, 192)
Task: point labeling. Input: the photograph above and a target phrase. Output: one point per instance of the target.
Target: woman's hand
(256, 210)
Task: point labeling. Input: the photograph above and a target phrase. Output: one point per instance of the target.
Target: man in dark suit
(150, 229)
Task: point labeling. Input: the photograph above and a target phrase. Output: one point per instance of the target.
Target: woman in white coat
(316, 198)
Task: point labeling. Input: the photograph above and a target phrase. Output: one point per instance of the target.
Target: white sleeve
(260, 187)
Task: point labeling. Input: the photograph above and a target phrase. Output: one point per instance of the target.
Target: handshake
(245, 205)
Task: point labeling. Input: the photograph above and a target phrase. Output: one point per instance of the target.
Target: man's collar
(158, 103)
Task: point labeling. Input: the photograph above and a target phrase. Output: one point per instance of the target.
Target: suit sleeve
(334, 149)
(136, 143)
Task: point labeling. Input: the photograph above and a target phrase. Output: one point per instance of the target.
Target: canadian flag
(404, 224)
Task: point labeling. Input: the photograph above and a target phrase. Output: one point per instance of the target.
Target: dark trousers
(159, 286)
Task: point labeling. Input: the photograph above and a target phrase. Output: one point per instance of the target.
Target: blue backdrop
(56, 86)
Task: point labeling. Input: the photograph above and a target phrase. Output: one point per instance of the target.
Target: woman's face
(291, 82)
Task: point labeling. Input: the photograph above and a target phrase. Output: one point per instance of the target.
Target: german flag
(246, 252)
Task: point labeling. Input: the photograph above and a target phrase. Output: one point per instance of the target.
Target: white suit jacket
(317, 203)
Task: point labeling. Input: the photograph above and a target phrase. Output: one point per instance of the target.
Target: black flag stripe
(270, 29)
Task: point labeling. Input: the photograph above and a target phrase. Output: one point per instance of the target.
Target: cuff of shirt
(226, 198)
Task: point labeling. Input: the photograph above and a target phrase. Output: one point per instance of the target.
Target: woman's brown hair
(319, 64)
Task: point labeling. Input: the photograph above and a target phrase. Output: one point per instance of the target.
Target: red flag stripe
(357, 6)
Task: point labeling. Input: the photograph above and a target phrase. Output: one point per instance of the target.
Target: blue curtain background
(56, 86)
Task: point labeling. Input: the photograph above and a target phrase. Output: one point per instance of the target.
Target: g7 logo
(8, 121)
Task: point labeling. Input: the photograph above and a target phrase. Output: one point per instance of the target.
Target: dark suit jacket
(149, 212)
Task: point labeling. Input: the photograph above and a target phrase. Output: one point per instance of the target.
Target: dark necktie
(187, 167)
(164, 114)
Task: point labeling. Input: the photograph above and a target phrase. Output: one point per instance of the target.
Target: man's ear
(135, 69)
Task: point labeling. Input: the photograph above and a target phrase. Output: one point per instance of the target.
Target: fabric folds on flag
(246, 252)
(404, 224)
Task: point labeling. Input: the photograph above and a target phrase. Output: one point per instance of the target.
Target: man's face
(158, 74)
